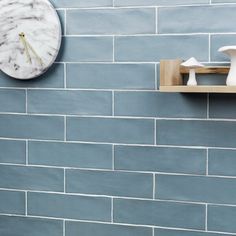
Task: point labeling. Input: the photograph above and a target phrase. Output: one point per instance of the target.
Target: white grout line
(117, 224)
(26, 100)
(151, 34)
(153, 231)
(155, 132)
(112, 210)
(26, 203)
(65, 75)
(113, 157)
(120, 170)
(209, 48)
(113, 49)
(208, 106)
(64, 179)
(121, 144)
(65, 128)
(27, 152)
(65, 21)
(156, 76)
(83, 89)
(154, 186)
(144, 6)
(206, 218)
(64, 227)
(156, 19)
(113, 103)
(207, 162)
(119, 117)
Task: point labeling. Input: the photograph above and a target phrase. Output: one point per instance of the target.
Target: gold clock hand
(40, 61)
(23, 40)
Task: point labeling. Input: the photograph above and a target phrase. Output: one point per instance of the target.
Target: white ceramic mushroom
(192, 64)
(230, 51)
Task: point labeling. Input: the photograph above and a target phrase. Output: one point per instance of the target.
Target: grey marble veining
(40, 24)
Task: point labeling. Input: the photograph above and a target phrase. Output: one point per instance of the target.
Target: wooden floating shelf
(171, 78)
(198, 89)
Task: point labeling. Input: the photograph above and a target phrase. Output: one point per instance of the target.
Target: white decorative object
(230, 51)
(192, 64)
(30, 37)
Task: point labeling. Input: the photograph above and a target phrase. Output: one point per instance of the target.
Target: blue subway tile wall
(87, 229)
(92, 147)
(163, 214)
(160, 159)
(158, 2)
(111, 76)
(127, 21)
(139, 185)
(173, 20)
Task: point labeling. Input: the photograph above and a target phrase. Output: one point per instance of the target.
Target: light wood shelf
(198, 89)
(171, 78)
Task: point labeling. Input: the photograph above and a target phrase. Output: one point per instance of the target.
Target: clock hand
(28, 46)
(40, 61)
(23, 40)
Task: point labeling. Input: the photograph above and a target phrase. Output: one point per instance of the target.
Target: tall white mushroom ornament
(192, 64)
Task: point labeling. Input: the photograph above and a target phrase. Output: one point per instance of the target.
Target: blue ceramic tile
(126, 21)
(222, 106)
(53, 78)
(157, 2)
(222, 162)
(165, 214)
(70, 102)
(110, 130)
(12, 100)
(12, 151)
(82, 3)
(155, 159)
(13, 226)
(155, 104)
(25, 126)
(155, 48)
(69, 207)
(70, 155)
(111, 76)
(167, 232)
(12, 202)
(196, 133)
(209, 79)
(218, 41)
(86, 49)
(88, 229)
(61, 14)
(223, 1)
(173, 20)
(31, 178)
(222, 218)
(196, 189)
(110, 183)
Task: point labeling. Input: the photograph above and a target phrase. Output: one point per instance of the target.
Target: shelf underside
(198, 89)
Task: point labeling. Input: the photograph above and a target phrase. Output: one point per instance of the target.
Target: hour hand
(23, 40)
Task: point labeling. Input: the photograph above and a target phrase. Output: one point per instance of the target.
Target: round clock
(30, 37)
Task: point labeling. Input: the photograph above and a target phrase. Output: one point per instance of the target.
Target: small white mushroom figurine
(192, 64)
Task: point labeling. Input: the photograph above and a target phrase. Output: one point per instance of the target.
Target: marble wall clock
(30, 37)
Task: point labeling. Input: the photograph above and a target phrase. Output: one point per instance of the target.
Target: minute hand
(22, 38)
(40, 61)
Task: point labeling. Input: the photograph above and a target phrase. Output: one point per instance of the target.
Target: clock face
(30, 37)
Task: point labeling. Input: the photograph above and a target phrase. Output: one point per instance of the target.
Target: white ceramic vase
(231, 52)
